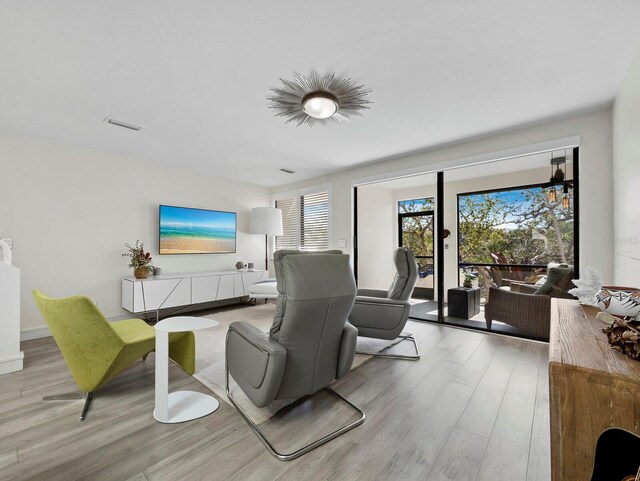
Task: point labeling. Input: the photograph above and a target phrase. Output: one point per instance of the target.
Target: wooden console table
(591, 387)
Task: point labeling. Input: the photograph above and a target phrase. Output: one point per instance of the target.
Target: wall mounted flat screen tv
(196, 231)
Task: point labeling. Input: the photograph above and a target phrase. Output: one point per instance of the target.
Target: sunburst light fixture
(319, 99)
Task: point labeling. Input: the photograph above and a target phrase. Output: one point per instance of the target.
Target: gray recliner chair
(383, 314)
(310, 343)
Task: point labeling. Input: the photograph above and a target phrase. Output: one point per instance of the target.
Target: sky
(197, 217)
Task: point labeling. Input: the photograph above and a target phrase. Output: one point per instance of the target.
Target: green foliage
(416, 205)
(417, 234)
(519, 227)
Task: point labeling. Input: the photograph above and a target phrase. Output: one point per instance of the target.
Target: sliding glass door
(415, 231)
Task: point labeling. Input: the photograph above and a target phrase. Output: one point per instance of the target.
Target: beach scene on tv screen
(196, 231)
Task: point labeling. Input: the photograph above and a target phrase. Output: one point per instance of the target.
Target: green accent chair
(96, 350)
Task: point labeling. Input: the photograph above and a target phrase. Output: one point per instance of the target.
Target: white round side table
(179, 406)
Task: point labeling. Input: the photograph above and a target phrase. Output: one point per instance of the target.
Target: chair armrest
(256, 362)
(378, 301)
(377, 293)
(347, 349)
(257, 338)
(379, 318)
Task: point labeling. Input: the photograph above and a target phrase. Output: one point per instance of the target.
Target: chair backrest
(406, 275)
(281, 299)
(82, 334)
(318, 292)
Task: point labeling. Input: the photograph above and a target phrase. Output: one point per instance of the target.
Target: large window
(305, 218)
(510, 234)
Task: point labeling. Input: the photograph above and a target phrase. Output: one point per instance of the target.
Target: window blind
(314, 221)
(289, 239)
(305, 222)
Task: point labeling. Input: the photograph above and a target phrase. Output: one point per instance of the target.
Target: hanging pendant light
(565, 196)
(557, 177)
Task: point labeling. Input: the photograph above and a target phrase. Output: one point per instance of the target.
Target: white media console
(181, 290)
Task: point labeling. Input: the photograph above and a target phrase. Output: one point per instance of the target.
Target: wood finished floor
(475, 407)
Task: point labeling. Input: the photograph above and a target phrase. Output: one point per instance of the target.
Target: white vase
(619, 301)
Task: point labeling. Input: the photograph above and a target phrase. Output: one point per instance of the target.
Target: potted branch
(468, 280)
(139, 260)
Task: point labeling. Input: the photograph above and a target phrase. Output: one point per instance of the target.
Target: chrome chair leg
(396, 356)
(305, 449)
(85, 408)
(73, 396)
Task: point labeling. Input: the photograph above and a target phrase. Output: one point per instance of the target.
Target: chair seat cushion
(134, 330)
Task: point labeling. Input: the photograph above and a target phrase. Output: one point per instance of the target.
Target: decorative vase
(619, 301)
(140, 272)
(467, 284)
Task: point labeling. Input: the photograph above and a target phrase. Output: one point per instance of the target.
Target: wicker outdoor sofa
(530, 312)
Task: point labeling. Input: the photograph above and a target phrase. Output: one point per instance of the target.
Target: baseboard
(34, 333)
(40, 332)
(11, 364)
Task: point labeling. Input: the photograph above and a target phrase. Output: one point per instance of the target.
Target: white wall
(626, 177)
(596, 220)
(378, 232)
(70, 210)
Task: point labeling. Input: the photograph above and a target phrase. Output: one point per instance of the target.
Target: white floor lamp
(268, 222)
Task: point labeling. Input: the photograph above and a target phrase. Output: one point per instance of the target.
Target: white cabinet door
(249, 278)
(160, 294)
(238, 289)
(204, 288)
(225, 289)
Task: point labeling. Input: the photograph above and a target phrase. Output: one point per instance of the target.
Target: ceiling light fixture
(287, 171)
(119, 123)
(319, 99)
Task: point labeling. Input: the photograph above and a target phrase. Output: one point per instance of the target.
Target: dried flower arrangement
(139, 259)
(623, 335)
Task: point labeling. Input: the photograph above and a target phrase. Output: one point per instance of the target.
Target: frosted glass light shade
(319, 107)
(266, 221)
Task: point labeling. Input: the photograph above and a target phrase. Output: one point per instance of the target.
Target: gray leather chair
(383, 314)
(310, 343)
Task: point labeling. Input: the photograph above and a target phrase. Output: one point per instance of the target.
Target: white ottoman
(265, 289)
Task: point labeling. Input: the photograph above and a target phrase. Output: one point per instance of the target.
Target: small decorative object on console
(619, 301)
(250, 266)
(239, 265)
(587, 286)
(624, 336)
(140, 260)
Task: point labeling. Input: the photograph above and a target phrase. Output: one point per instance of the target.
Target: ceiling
(195, 75)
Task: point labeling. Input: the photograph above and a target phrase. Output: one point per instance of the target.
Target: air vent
(119, 123)
(288, 171)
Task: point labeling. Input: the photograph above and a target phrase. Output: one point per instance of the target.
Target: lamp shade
(266, 221)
